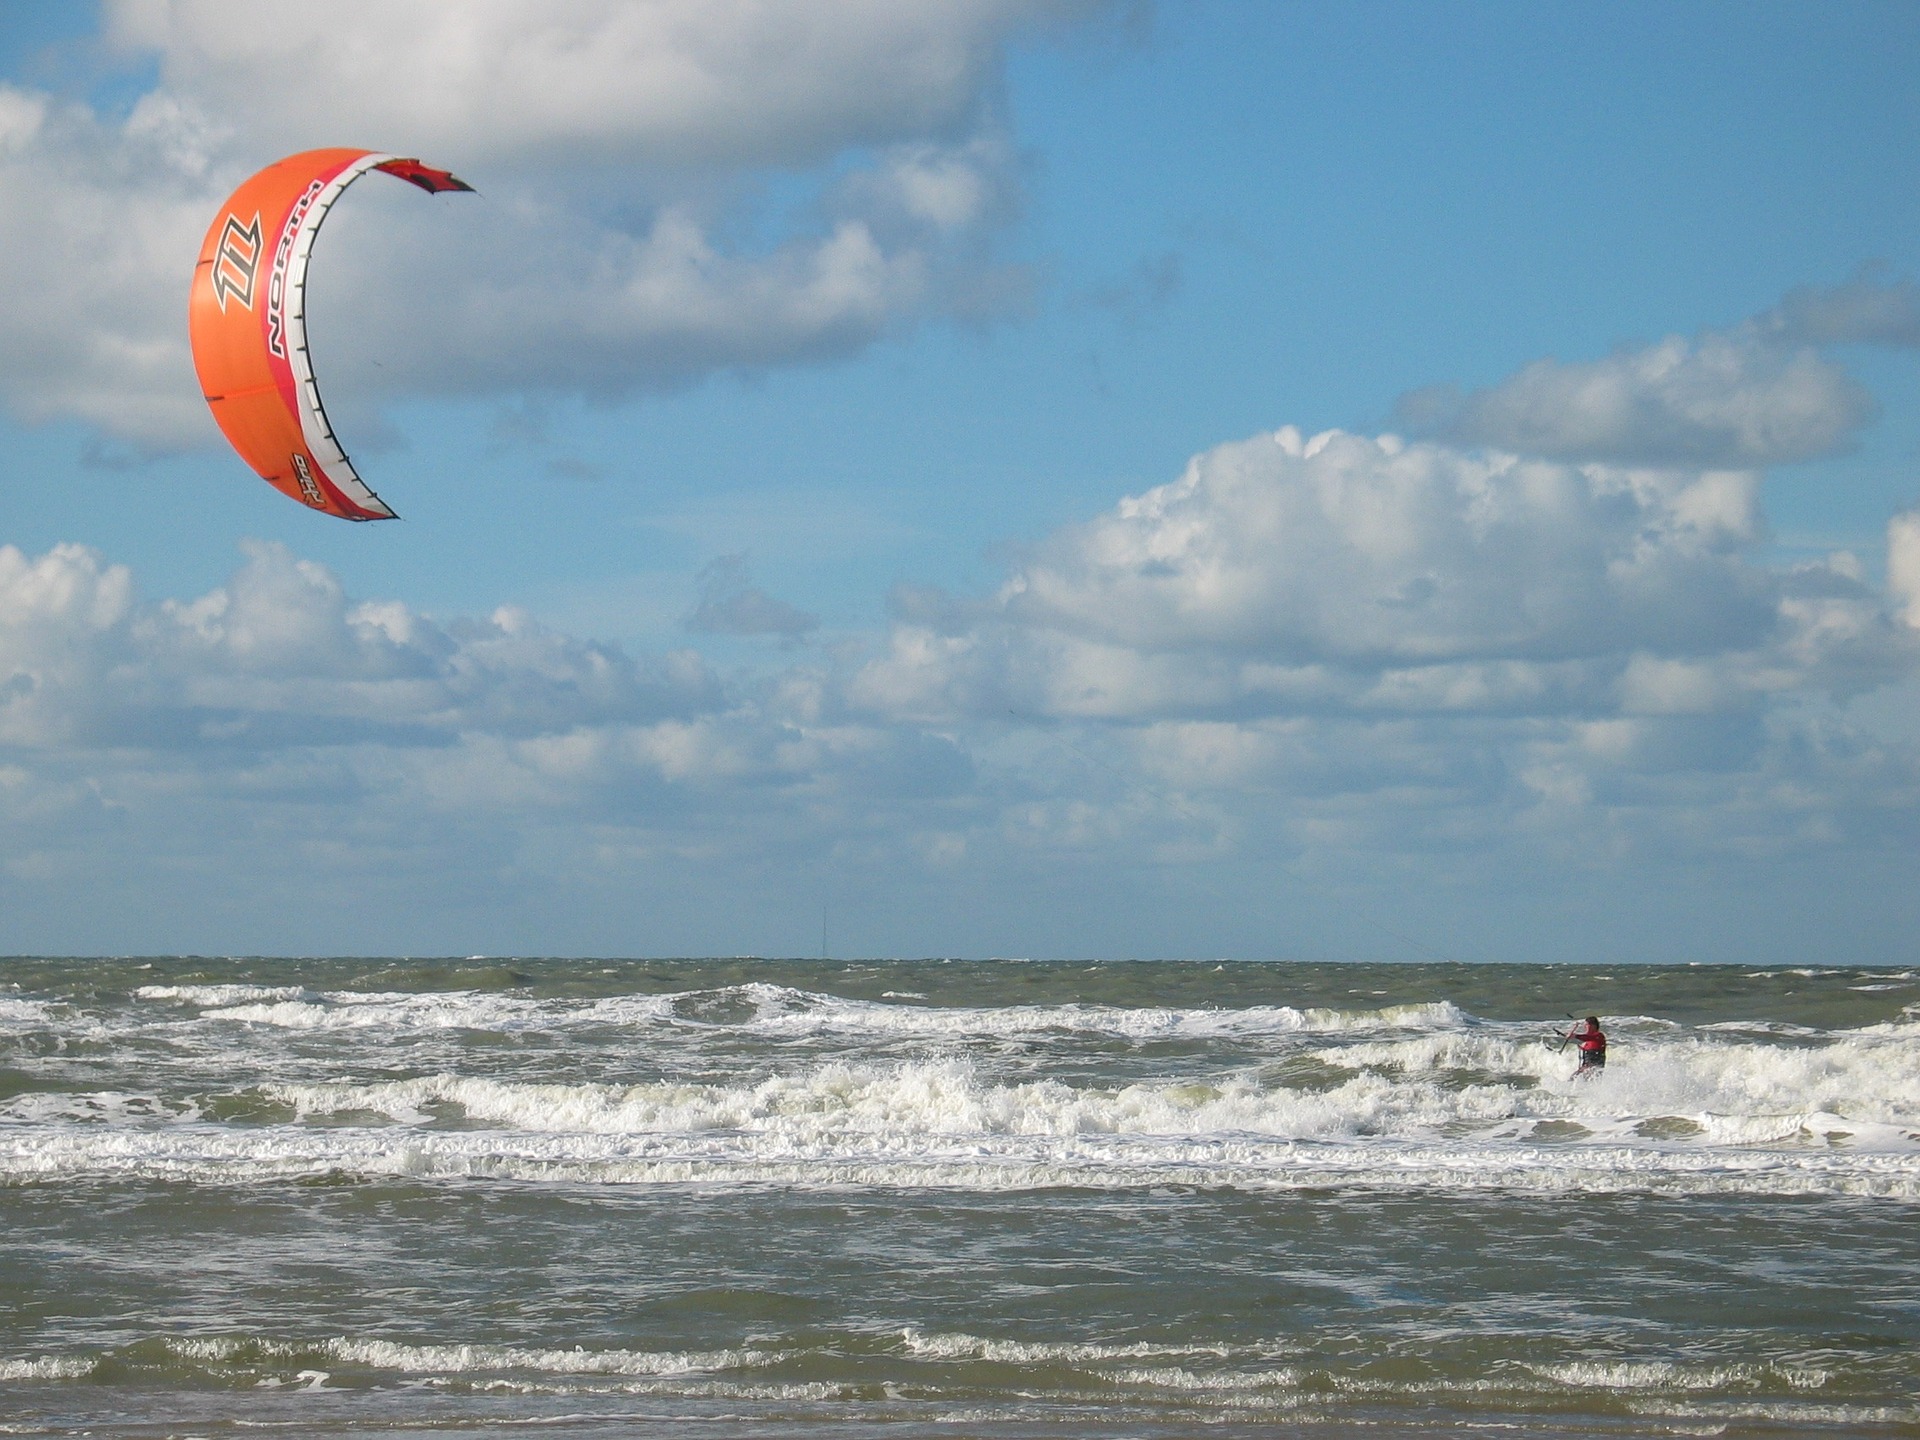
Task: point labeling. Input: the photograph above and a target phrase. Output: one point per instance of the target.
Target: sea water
(926, 1198)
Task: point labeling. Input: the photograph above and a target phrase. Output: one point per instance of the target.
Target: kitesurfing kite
(248, 324)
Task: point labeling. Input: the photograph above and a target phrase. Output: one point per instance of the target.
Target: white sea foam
(473, 1359)
(1420, 1094)
(905, 1102)
(960, 1346)
(1228, 1386)
(783, 1011)
(295, 1009)
(978, 1161)
(48, 1367)
(355, 1010)
(465, 1359)
(1665, 1375)
(1468, 1107)
(1863, 1077)
(97, 1107)
(209, 996)
(19, 1014)
(777, 1012)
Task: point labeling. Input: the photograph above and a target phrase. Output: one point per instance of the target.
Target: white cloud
(732, 83)
(278, 656)
(1755, 395)
(498, 299)
(1348, 656)
(1903, 565)
(63, 617)
(1732, 399)
(1344, 547)
(279, 674)
(615, 144)
(21, 118)
(1366, 651)
(277, 736)
(1352, 575)
(100, 224)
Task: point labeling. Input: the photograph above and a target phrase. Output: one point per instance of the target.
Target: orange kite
(248, 324)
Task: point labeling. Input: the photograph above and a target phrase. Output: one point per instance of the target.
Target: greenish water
(926, 1198)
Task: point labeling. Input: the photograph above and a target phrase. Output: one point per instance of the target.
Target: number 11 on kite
(247, 322)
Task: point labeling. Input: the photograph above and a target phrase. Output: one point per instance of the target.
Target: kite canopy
(248, 324)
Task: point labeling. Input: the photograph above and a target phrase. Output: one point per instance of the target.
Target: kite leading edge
(248, 328)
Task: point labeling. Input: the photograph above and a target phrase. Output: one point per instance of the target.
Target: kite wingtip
(434, 182)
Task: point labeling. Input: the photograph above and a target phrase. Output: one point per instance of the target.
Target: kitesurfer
(1593, 1046)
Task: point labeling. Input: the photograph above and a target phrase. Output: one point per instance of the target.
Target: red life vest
(1592, 1042)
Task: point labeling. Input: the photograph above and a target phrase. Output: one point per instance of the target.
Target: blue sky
(735, 590)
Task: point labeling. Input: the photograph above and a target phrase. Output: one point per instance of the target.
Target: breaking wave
(770, 1012)
(759, 1083)
(936, 1126)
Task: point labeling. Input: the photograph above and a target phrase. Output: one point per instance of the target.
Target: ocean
(950, 1198)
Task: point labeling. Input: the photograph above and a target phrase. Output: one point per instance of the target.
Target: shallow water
(740, 1198)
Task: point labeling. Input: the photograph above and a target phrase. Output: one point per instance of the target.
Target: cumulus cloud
(105, 218)
(1722, 399)
(1755, 395)
(279, 656)
(1903, 565)
(278, 671)
(503, 300)
(616, 145)
(733, 83)
(1352, 646)
(1347, 574)
(1543, 630)
(1300, 647)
